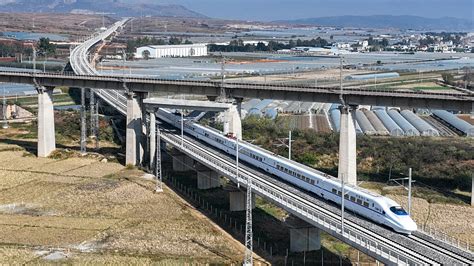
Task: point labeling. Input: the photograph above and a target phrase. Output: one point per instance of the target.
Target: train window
(359, 201)
(366, 204)
(346, 197)
(334, 191)
(298, 175)
(353, 198)
(339, 193)
(398, 210)
(312, 181)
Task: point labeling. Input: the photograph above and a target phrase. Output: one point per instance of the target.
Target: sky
(267, 10)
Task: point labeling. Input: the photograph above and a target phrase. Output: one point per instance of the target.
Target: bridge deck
(449, 101)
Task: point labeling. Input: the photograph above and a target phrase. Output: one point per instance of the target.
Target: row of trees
(11, 50)
(240, 46)
(44, 47)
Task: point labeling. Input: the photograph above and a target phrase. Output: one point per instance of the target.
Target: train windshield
(398, 210)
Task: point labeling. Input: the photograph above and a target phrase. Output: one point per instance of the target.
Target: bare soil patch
(84, 211)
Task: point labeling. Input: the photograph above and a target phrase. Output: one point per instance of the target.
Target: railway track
(445, 256)
(373, 232)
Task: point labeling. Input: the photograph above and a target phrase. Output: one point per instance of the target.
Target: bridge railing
(255, 86)
(365, 241)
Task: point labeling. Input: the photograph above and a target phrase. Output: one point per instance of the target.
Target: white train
(375, 207)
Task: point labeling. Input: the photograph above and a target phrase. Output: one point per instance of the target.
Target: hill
(112, 7)
(389, 21)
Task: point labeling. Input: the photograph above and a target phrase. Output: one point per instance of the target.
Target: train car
(375, 207)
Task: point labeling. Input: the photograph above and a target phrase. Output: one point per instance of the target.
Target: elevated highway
(90, 78)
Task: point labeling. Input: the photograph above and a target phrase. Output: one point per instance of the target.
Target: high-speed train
(375, 207)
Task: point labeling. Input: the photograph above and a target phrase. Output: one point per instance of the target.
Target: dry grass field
(85, 211)
(70, 24)
(431, 209)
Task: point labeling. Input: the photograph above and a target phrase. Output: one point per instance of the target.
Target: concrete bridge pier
(238, 200)
(181, 162)
(46, 133)
(303, 236)
(472, 190)
(152, 140)
(238, 105)
(206, 177)
(347, 168)
(135, 136)
(232, 122)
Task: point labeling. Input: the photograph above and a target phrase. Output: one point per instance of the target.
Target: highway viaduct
(139, 88)
(448, 101)
(143, 87)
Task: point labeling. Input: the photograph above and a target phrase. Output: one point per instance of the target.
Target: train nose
(411, 225)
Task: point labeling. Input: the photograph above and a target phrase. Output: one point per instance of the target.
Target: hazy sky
(291, 9)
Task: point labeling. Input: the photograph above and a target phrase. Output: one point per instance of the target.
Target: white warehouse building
(182, 50)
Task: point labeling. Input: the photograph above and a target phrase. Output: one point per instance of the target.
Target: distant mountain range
(114, 7)
(389, 21)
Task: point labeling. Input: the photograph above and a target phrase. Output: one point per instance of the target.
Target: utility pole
(5, 122)
(248, 260)
(410, 184)
(342, 205)
(182, 128)
(237, 159)
(92, 115)
(341, 95)
(83, 122)
(124, 55)
(223, 96)
(97, 124)
(34, 58)
(409, 191)
(158, 170)
(289, 145)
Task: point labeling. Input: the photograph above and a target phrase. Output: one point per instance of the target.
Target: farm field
(87, 210)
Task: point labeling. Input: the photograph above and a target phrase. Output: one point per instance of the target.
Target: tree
(447, 78)
(175, 41)
(261, 47)
(146, 54)
(45, 47)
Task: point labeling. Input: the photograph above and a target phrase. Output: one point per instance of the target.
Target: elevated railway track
(377, 241)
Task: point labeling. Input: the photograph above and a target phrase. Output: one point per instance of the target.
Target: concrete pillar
(232, 122)
(206, 177)
(347, 147)
(303, 236)
(134, 140)
(305, 239)
(152, 140)
(182, 163)
(46, 133)
(238, 201)
(238, 104)
(472, 190)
